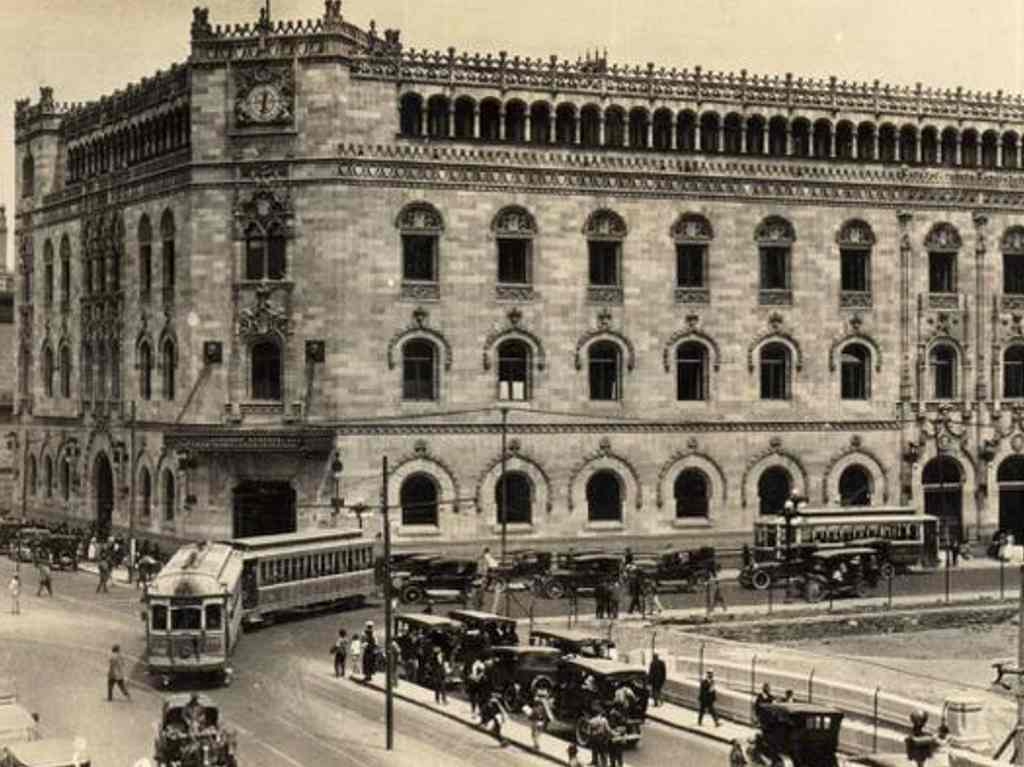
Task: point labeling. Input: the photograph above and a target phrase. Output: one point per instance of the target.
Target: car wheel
(760, 580)
(887, 570)
(813, 590)
(583, 731)
(510, 698)
(412, 594)
(860, 588)
(555, 590)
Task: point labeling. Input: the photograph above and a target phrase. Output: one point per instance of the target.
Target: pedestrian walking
(369, 652)
(394, 660)
(439, 669)
(954, 549)
(737, 756)
(600, 733)
(538, 716)
(616, 736)
(636, 596)
(656, 675)
(706, 699)
(45, 580)
(14, 587)
(340, 651)
(104, 574)
(764, 698)
(115, 674)
(716, 597)
(357, 653)
(600, 600)
(492, 716)
(473, 684)
(613, 599)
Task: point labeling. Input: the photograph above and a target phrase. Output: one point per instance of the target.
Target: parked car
(575, 642)
(27, 542)
(800, 734)
(520, 672)
(584, 683)
(8, 530)
(418, 634)
(580, 574)
(525, 565)
(61, 551)
(212, 745)
(678, 569)
(851, 571)
(49, 752)
(762, 574)
(444, 574)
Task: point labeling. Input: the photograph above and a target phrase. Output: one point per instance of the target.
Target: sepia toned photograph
(461, 384)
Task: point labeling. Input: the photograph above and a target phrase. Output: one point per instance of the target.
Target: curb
(522, 746)
(691, 729)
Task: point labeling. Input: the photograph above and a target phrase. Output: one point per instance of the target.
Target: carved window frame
(65, 274)
(1012, 247)
(280, 345)
(515, 224)
(605, 227)
(692, 230)
(436, 377)
(943, 241)
(1017, 367)
(856, 239)
(144, 238)
(420, 219)
(48, 274)
(775, 233)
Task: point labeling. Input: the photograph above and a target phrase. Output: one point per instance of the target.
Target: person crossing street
(14, 587)
(706, 699)
(340, 652)
(45, 579)
(115, 674)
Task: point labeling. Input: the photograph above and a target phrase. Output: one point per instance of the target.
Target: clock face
(264, 103)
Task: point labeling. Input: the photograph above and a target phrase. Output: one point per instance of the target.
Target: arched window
(865, 141)
(989, 151)
(65, 479)
(145, 371)
(855, 372)
(65, 274)
(464, 128)
(943, 361)
(565, 124)
(418, 498)
(604, 363)
(410, 115)
(662, 130)
(775, 238)
(801, 137)
(969, 148)
(773, 489)
(755, 135)
(1011, 156)
(638, 123)
(437, 117)
(614, 127)
(33, 476)
(167, 236)
(1013, 260)
(490, 120)
(48, 369)
(421, 226)
(691, 372)
(710, 140)
(48, 276)
(908, 144)
(48, 476)
(942, 244)
(28, 175)
(115, 371)
(855, 240)
(515, 121)
(513, 370)
(605, 231)
(145, 493)
(169, 500)
(822, 139)
(419, 370)
(942, 481)
(1013, 372)
(170, 363)
(145, 258)
(775, 372)
(514, 487)
(604, 497)
(85, 382)
(732, 134)
(691, 494)
(540, 123)
(266, 255)
(101, 371)
(692, 234)
(514, 229)
(590, 126)
(887, 143)
(855, 487)
(777, 137)
(65, 371)
(266, 371)
(929, 146)
(686, 132)
(949, 136)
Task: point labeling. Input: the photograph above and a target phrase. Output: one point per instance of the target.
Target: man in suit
(706, 699)
(656, 675)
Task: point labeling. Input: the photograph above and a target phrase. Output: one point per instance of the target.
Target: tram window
(213, 618)
(913, 532)
(186, 619)
(264, 574)
(158, 616)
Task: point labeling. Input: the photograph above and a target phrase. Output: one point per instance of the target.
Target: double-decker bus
(193, 612)
(308, 570)
(902, 535)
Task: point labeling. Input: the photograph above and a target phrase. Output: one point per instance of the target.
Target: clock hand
(263, 109)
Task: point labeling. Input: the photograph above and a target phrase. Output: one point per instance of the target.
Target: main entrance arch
(263, 508)
(103, 486)
(943, 481)
(1010, 479)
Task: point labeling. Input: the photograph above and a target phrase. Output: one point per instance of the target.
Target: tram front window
(186, 619)
(158, 615)
(213, 615)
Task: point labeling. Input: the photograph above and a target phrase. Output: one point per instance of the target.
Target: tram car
(193, 613)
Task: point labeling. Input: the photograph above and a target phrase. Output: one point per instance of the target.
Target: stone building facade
(672, 296)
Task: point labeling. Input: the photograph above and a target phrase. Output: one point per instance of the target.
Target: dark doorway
(264, 508)
(943, 497)
(1011, 497)
(773, 489)
(103, 483)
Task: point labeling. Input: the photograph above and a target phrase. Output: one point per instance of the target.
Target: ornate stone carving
(774, 449)
(775, 297)
(421, 452)
(855, 299)
(777, 332)
(605, 224)
(682, 455)
(775, 230)
(264, 319)
(1012, 242)
(420, 291)
(855, 449)
(264, 95)
(692, 228)
(692, 296)
(503, 292)
(855, 334)
(514, 451)
(604, 330)
(943, 237)
(514, 329)
(419, 327)
(604, 294)
(943, 301)
(604, 450)
(693, 332)
(265, 209)
(514, 221)
(420, 218)
(855, 233)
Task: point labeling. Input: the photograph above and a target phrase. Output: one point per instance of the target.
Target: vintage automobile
(49, 752)
(762, 574)
(8, 529)
(28, 542)
(587, 683)
(417, 634)
(17, 723)
(580, 574)
(798, 734)
(525, 565)
(678, 569)
(520, 672)
(61, 550)
(193, 741)
(443, 574)
(575, 642)
(851, 571)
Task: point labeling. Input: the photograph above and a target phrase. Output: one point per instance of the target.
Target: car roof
(182, 699)
(603, 666)
(426, 619)
(595, 555)
(525, 649)
(836, 553)
(571, 635)
(479, 615)
(802, 708)
(49, 752)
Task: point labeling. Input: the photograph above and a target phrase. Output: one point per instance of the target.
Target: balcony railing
(421, 291)
(693, 296)
(855, 299)
(604, 294)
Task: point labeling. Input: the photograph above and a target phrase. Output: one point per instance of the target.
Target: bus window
(186, 619)
(213, 618)
(158, 616)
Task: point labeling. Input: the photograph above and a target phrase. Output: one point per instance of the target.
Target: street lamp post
(789, 510)
(389, 662)
(337, 501)
(504, 485)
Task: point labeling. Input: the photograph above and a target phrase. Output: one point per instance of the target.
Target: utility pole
(131, 497)
(389, 711)
(504, 484)
(1019, 737)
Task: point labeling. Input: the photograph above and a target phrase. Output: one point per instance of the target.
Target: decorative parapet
(694, 85)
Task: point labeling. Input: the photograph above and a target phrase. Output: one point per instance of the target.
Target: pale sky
(87, 48)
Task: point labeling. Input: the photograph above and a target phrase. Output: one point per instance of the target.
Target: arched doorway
(264, 508)
(103, 486)
(773, 489)
(942, 479)
(1010, 478)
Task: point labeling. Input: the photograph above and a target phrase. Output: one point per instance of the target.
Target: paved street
(285, 713)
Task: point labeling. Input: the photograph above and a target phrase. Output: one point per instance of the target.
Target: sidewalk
(685, 719)
(118, 576)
